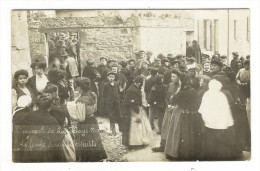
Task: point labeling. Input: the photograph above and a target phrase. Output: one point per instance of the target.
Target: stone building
(222, 31)
(111, 33)
(120, 34)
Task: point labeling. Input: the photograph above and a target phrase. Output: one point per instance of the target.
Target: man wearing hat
(206, 68)
(165, 66)
(131, 73)
(120, 78)
(112, 101)
(234, 62)
(157, 63)
(140, 59)
(190, 51)
(216, 66)
(143, 70)
(205, 57)
(197, 50)
(102, 70)
(92, 73)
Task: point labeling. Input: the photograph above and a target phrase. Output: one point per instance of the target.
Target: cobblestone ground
(117, 152)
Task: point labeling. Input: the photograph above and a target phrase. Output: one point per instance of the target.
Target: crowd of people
(201, 106)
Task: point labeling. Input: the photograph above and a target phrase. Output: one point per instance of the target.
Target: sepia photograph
(133, 85)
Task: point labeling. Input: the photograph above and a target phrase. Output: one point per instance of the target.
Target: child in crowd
(112, 101)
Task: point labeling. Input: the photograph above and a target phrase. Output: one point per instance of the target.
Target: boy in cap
(206, 68)
(112, 101)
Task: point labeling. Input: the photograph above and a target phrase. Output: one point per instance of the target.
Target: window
(235, 29)
(216, 35)
(207, 34)
(248, 29)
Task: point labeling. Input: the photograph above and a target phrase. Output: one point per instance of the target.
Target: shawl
(215, 109)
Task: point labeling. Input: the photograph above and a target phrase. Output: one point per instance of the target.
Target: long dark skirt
(88, 142)
(190, 136)
(241, 125)
(101, 102)
(219, 144)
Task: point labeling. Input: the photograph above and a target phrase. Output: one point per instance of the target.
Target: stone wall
(20, 52)
(117, 34)
(98, 36)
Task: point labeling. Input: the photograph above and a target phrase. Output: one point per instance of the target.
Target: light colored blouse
(41, 82)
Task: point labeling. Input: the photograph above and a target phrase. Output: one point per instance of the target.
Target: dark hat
(191, 59)
(160, 56)
(223, 56)
(169, 55)
(90, 61)
(111, 73)
(123, 63)
(217, 62)
(82, 80)
(176, 71)
(139, 79)
(179, 56)
(131, 60)
(235, 54)
(205, 55)
(247, 61)
(102, 58)
(158, 78)
(174, 60)
(182, 68)
(141, 51)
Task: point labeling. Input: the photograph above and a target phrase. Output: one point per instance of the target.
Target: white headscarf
(215, 109)
(22, 102)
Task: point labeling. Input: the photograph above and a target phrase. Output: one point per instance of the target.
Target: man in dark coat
(216, 67)
(91, 72)
(58, 51)
(197, 50)
(131, 73)
(132, 100)
(112, 101)
(190, 51)
(234, 62)
(157, 101)
(103, 70)
(150, 82)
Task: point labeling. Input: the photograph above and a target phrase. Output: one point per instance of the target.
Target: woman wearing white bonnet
(219, 133)
(22, 107)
